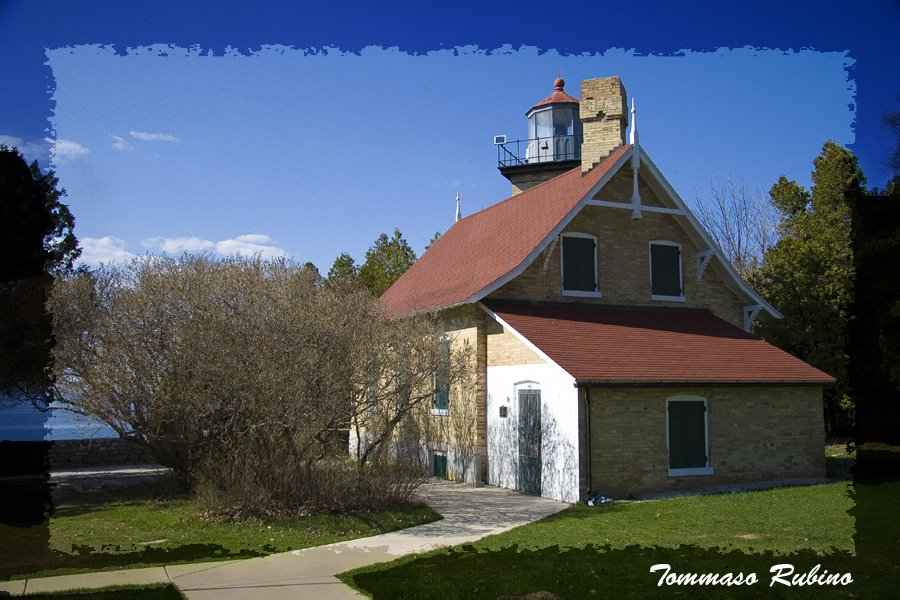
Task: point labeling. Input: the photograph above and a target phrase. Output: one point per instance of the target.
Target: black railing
(539, 150)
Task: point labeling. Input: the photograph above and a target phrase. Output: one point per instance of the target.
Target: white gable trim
(703, 235)
(553, 234)
(644, 207)
(524, 339)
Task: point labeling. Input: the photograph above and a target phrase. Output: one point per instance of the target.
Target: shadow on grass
(150, 592)
(595, 572)
(839, 467)
(28, 559)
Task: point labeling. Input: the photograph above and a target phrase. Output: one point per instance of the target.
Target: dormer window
(579, 265)
(665, 272)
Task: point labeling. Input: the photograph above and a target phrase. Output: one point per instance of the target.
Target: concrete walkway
(470, 513)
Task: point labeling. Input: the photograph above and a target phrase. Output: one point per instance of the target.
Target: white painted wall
(559, 424)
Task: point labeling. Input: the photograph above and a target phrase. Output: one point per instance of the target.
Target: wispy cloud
(249, 244)
(63, 150)
(122, 144)
(106, 249)
(30, 150)
(154, 137)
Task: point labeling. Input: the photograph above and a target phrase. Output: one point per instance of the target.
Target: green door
(530, 441)
(440, 466)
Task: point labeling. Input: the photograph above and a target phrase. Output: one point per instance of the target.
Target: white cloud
(63, 150)
(178, 245)
(122, 144)
(106, 249)
(154, 137)
(250, 244)
(30, 150)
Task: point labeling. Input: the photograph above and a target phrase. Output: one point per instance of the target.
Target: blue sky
(305, 147)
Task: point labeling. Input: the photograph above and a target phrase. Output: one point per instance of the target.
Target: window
(442, 381)
(579, 265)
(665, 272)
(688, 436)
(372, 389)
(372, 397)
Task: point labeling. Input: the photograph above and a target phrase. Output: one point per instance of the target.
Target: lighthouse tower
(553, 145)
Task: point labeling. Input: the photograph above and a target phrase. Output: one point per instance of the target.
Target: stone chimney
(604, 116)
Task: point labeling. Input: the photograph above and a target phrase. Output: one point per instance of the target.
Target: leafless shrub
(244, 376)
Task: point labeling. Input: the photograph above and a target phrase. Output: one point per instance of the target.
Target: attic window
(665, 272)
(579, 265)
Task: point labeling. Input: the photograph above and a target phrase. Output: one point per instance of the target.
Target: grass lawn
(158, 524)
(119, 592)
(607, 552)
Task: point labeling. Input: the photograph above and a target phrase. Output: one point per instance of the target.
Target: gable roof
(489, 245)
(610, 345)
(487, 249)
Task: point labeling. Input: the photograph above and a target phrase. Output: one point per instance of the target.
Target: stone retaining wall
(88, 453)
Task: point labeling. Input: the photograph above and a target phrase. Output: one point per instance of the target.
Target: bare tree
(741, 223)
(243, 375)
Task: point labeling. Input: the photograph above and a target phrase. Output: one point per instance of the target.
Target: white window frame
(653, 296)
(707, 470)
(580, 293)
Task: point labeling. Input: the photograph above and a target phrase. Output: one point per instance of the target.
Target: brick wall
(624, 256)
(763, 433)
(527, 179)
(88, 453)
(506, 349)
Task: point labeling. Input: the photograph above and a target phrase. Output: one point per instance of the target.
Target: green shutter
(687, 434)
(665, 270)
(579, 264)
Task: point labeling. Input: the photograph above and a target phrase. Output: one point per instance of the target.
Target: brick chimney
(604, 116)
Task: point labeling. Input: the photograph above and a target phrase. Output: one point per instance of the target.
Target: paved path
(470, 513)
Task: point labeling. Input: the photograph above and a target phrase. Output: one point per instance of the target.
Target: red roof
(558, 95)
(612, 344)
(484, 247)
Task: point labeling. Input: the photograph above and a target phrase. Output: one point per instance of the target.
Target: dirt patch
(750, 536)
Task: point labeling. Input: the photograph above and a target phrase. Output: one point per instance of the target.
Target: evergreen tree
(807, 275)
(386, 261)
(344, 270)
(36, 241)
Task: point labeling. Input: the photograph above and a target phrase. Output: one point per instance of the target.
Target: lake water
(22, 422)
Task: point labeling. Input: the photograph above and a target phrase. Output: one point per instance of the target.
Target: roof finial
(458, 214)
(634, 138)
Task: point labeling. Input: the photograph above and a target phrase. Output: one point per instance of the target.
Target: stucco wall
(559, 417)
(763, 433)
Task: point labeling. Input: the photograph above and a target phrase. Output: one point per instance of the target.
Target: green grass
(607, 551)
(781, 520)
(155, 525)
(118, 592)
